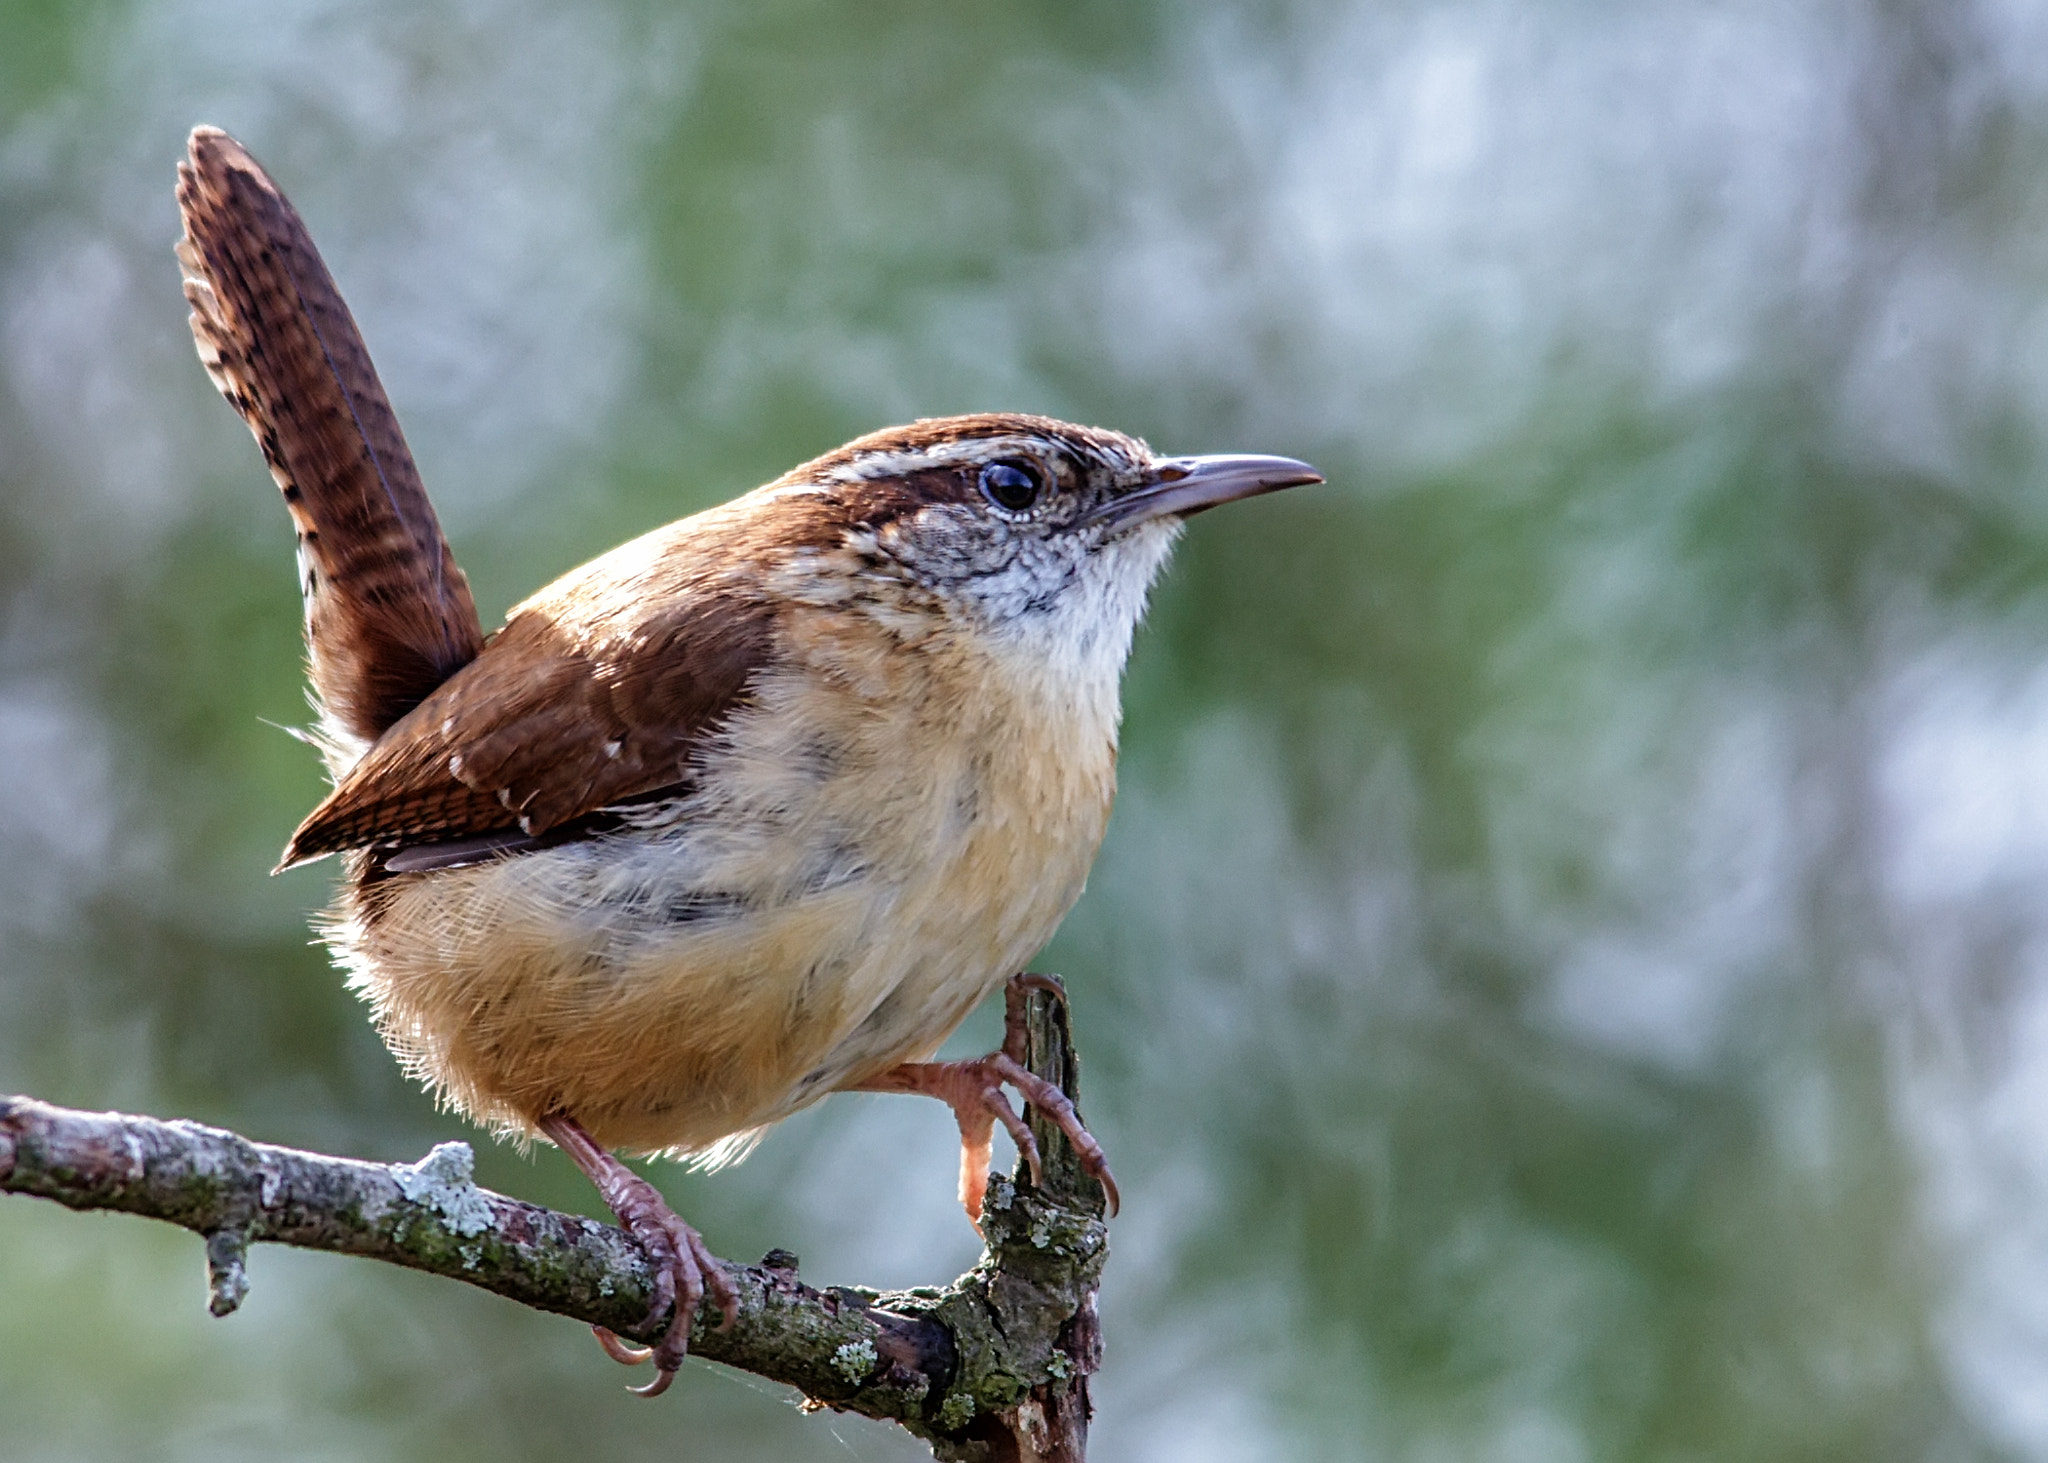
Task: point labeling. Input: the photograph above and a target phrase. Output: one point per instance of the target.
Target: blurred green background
(1568, 978)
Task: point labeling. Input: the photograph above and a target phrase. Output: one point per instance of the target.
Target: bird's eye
(1014, 487)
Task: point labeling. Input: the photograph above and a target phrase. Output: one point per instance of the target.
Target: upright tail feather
(388, 614)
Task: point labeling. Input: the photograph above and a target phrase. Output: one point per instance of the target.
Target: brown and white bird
(752, 809)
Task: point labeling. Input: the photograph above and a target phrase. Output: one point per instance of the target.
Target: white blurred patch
(1965, 778)
(2016, 43)
(1964, 782)
(1983, 1136)
(1687, 809)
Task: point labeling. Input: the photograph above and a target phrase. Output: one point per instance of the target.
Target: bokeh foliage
(1566, 979)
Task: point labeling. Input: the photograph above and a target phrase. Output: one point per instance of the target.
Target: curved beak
(1187, 485)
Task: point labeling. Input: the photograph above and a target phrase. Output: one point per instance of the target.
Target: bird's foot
(684, 1268)
(974, 1090)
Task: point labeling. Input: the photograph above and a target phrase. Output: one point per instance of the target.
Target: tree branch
(993, 1367)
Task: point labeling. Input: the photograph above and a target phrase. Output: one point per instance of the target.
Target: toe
(974, 1160)
(717, 1282)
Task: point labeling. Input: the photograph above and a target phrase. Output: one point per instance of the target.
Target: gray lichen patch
(956, 1411)
(445, 1182)
(854, 1361)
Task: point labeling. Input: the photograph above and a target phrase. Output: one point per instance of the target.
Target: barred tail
(388, 614)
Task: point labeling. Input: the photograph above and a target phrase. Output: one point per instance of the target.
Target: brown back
(388, 614)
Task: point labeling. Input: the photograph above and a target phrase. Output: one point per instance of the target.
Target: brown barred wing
(554, 721)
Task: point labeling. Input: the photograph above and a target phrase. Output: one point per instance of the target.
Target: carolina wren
(754, 808)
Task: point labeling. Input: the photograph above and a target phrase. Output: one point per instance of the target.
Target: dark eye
(1013, 487)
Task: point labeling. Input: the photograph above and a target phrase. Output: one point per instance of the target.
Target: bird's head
(1036, 535)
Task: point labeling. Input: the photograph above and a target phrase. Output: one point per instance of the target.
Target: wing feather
(561, 716)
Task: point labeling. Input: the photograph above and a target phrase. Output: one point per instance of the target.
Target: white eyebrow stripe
(872, 465)
(790, 490)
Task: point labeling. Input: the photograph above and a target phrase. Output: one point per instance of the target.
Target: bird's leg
(974, 1090)
(683, 1266)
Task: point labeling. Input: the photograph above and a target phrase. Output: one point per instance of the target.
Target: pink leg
(974, 1090)
(683, 1266)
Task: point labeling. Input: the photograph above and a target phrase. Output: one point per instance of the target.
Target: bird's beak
(1187, 485)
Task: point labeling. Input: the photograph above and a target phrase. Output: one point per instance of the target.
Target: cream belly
(871, 855)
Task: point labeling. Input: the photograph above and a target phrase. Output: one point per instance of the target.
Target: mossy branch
(992, 1367)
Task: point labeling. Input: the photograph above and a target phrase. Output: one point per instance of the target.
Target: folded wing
(561, 716)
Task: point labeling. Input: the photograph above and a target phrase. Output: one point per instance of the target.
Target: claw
(625, 1353)
(654, 1388)
(1031, 980)
(974, 1090)
(1049, 1100)
(683, 1266)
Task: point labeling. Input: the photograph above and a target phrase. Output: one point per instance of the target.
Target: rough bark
(990, 1369)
